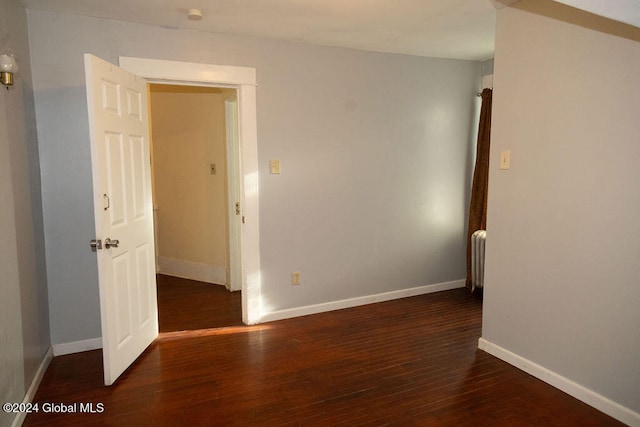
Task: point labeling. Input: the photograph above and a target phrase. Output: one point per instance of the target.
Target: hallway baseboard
(193, 270)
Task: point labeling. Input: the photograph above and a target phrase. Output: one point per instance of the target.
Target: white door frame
(234, 213)
(243, 79)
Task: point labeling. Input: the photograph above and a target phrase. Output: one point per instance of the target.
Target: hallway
(188, 305)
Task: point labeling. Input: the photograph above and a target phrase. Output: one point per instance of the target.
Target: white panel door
(119, 128)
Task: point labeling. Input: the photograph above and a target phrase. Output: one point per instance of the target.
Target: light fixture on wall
(8, 67)
(194, 15)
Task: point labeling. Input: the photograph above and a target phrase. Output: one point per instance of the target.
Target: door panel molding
(118, 130)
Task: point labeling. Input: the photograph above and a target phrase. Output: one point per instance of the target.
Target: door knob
(108, 243)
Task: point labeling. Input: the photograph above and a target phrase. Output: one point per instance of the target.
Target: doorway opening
(194, 173)
(243, 79)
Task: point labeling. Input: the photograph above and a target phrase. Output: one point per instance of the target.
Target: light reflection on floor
(178, 335)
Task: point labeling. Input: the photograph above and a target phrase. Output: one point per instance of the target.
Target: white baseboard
(354, 302)
(33, 387)
(590, 397)
(192, 270)
(77, 346)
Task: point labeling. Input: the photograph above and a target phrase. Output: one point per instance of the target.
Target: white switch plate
(505, 160)
(275, 167)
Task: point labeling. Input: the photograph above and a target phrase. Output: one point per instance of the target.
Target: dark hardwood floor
(409, 362)
(189, 305)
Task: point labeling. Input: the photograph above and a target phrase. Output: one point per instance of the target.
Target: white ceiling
(461, 29)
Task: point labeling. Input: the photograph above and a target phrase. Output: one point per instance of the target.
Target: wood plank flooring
(190, 305)
(409, 362)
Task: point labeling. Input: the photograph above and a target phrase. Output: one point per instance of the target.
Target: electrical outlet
(295, 278)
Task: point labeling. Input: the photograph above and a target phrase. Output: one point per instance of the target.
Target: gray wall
(24, 319)
(375, 153)
(487, 67)
(561, 284)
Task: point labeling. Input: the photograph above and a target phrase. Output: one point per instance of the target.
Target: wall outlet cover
(295, 278)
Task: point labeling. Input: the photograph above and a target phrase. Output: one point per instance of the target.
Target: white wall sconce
(8, 67)
(194, 15)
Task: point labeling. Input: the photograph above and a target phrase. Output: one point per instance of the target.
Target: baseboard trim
(33, 387)
(192, 270)
(354, 302)
(590, 397)
(77, 346)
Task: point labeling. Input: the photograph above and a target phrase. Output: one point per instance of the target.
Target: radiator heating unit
(478, 240)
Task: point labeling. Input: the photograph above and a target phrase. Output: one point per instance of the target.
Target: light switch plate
(505, 160)
(275, 167)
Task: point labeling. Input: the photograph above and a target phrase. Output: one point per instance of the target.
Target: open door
(119, 129)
